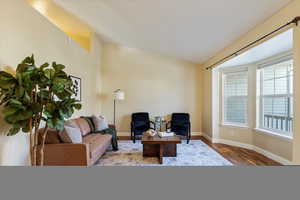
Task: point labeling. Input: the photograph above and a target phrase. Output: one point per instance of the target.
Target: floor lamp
(119, 95)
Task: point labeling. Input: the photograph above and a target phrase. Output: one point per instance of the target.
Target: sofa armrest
(66, 154)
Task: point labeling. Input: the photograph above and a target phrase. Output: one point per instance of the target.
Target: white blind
(235, 97)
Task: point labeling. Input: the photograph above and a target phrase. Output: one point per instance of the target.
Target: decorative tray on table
(166, 134)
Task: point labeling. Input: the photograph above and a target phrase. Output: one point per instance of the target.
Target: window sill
(270, 133)
(235, 126)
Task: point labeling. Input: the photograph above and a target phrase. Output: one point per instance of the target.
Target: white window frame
(260, 79)
(234, 124)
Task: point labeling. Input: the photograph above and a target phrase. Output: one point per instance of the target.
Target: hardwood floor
(241, 156)
(236, 155)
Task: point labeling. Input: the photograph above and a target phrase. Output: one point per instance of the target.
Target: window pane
(235, 97)
(280, 70)
(281, 85)
(268, 106)
(291, 107)
(268, 73)
(275, 113)
(235, 84)
(280, 107)
(236, 109)
(268, 87)
(277, 101)
(241, 86)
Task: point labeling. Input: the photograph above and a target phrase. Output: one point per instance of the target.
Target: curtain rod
(294, 21)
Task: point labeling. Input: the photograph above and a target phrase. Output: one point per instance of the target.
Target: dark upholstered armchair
(140, 122)
(181, 125)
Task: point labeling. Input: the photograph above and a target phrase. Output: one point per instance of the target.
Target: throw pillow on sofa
(71, 135)
(100, 123)
(71, 123)
(89, 120)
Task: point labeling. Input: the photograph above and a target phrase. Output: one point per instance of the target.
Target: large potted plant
(35, 97)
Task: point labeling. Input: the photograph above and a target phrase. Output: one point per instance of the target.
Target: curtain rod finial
(296, 20)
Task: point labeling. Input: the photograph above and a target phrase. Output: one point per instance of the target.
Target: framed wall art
(76, 87)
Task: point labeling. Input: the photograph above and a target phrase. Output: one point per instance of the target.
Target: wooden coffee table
(160, 147)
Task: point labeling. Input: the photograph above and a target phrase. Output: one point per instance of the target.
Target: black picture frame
(76, 87)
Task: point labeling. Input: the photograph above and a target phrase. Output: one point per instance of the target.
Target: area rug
(196, 153)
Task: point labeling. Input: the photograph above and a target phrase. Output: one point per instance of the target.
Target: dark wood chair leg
(188, 139)
(133, 138)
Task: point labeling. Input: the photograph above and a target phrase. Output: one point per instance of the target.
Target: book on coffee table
(166, 134)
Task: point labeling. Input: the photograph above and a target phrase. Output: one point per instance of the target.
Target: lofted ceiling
(75, 28)
(192, 30)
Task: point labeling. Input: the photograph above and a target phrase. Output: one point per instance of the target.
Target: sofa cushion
(83, 125)
(71, 123)
(98, 143)
(90, 122)
(52, 137)
(100, 123)
(71, 135)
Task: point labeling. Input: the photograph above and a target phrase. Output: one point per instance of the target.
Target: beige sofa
(92, 148)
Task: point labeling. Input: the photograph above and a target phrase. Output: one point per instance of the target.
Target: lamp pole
(114, 112)
(118, 95)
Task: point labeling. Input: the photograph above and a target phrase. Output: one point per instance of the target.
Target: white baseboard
(196, 133)
(272, 156)
(233, 143)
(207, 136)
(251, 147)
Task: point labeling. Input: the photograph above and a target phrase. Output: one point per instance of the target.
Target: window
(235, 98)
(276, 98)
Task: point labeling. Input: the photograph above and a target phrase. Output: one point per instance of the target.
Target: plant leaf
(9, 110)
(43, 66)
(20, 92)
(59, 67)
(49, 73)
(77, 106)
(7, 81)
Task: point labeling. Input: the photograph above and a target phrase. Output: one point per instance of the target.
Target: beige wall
(279, 146)
(152, 83)
(207, 102)
(23, 32)
(287, 149)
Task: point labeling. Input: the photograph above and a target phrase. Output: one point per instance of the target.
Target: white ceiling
(279, 44)
(192, 30)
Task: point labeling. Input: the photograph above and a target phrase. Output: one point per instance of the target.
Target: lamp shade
(119, 95)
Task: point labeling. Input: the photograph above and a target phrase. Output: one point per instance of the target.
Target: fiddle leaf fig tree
(35, 97)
